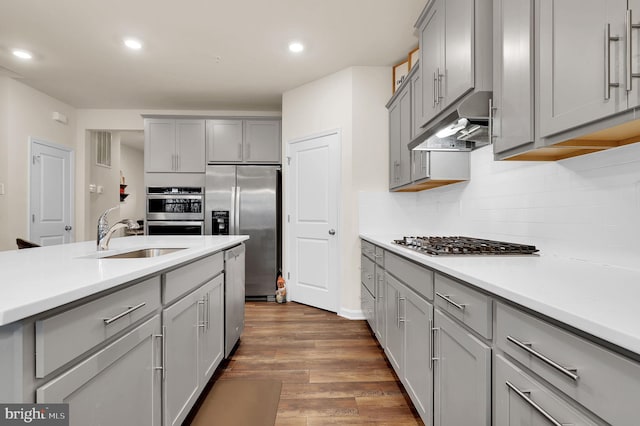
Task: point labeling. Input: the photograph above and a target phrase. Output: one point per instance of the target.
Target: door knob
(68, 228)
(332, 232)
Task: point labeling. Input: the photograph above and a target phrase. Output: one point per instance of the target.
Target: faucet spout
(105, 232)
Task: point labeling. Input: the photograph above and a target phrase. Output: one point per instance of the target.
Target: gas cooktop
(463, 246)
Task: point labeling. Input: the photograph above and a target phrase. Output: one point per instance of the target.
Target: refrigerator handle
(237, 210)
(232, 213)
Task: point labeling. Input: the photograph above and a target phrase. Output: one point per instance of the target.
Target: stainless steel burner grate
(463, 246)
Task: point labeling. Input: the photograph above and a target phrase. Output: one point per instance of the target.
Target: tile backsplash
(585, 208)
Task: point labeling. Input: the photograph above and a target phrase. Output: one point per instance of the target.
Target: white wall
(351, 100)
(27, 113)
(585, 207)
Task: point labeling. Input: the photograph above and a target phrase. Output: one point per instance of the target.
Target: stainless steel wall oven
(175, 211)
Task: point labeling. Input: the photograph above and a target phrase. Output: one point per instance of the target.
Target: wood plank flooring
(332, 369)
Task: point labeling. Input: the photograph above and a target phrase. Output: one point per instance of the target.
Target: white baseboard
(352, 314)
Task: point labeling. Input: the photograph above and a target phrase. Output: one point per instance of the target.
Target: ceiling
(197, 54)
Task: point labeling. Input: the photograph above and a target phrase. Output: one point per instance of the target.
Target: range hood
(464, 129)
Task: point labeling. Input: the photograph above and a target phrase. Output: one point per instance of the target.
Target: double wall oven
(175, 211)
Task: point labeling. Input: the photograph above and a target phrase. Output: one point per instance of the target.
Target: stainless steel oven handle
(569, 372)
(175, 197)
(532, 403)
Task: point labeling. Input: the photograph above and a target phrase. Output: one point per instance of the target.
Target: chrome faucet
(105, 232)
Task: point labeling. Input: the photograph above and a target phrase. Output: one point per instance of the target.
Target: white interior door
(313, 195)
(51, 197)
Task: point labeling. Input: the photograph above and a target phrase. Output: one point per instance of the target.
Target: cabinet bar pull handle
(164, 351)
(400, 319)
(203, 323)
(108, 321)
(569, 372)
(630, 26)
(451, 302)
(435, 90)
(607, 62)
(440, 97)
(431, 344)
(492, 110)
(434, 330)
(208, 315)
(535, 406)
(161, 336)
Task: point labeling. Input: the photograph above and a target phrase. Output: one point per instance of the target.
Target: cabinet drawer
(368, 249)
(518, 396)
(367, 273)
(603, 381)
(471, 307)
(64, 336)
(182, 280)
(419, 278)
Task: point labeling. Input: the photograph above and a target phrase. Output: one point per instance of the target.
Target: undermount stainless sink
(142, 253)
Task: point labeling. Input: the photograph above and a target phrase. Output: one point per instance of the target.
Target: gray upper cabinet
(399, 138)
(455, 50)
(174, 145)
(582, 72)
(224, 141)
(513, 74)
(462, 372)
(243, 141)
(262, 141)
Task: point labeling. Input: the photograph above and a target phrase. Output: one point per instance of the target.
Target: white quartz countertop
(601, 300)
(38, 279)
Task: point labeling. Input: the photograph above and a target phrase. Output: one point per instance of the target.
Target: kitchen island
(132, 340)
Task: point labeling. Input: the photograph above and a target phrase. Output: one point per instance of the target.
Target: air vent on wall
(103, 148)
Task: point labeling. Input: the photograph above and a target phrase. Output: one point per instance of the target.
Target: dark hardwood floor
(332, 369)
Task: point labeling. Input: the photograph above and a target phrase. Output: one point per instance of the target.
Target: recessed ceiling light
(296, 47)
(22, 54)
(132, 43)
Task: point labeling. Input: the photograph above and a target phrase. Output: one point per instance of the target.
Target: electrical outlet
(92, 188)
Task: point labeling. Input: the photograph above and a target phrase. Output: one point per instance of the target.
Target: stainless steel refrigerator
(245, 200)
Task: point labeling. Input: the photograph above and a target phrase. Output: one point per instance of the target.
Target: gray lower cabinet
(194, 347)
(394, 323)
(379, 308)
(119, 385)
(462, 375)
(417, 376)
(234, 294)
(521, 400)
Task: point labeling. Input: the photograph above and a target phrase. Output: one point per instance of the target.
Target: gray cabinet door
(573, 62)
(262, 141)
(394, 144)
(521, 400)
(432, 70)
(224, 141)
(462, 376)
(190, 145)
(160, 145)
(182, 322)
(211, 338)
(459, 52)
(234, 296)
(418, 372)
(119, 385)
(380, 313)
(513, 80)
(394, 323)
